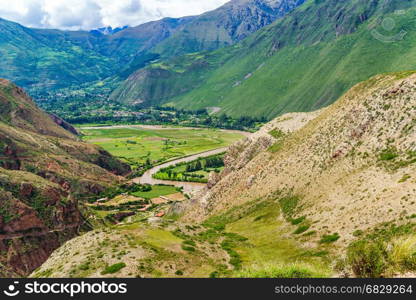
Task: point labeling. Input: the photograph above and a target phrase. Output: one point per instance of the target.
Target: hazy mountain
(302, 62)
(76, 59)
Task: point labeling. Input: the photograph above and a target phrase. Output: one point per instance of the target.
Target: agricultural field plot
(135, 200)
(139, 146)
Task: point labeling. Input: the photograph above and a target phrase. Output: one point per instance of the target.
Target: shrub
(403, 253)
(367, 259)
(288, 205)
(189, 242)
(301, 229)
(298, 220)
(388, 154)
(188, 248)
(113, 268)
(331, 238)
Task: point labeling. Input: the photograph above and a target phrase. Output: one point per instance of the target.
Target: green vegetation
(84, 113)
(388, 154)
(113, 268)
(387, 251)
(157, 191)
(195, 171)
(315, 59)
(253, 234)
(288, 205)
(294, 270)
(142, 148)
(330, 238)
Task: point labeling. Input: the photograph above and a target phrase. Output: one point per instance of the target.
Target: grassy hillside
(346, 179)
(300, 63)
(87, 66)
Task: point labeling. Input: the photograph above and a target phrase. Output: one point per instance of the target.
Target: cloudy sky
(89, 14)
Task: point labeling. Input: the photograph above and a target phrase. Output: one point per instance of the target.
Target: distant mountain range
(301, 62)
(247, 58)
(108, 30)
(44, 60)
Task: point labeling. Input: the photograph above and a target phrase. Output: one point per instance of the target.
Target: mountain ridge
(46, 173)
(302, 62)
(81, 60)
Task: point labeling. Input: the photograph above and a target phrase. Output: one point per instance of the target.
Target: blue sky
(89, 14)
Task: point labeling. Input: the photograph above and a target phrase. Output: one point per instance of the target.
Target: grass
(293, 270)
(162, 239)
(330, 238)
(384, 253)
(258, 236)
(312, 66)
(157, 191)
(113, 268)
(136, 145)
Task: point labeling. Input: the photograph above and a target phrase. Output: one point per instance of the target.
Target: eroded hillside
(44, 171)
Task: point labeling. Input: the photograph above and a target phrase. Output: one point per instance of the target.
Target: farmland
(140, 145)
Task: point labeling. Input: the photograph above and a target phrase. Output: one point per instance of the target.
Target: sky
(91, 14)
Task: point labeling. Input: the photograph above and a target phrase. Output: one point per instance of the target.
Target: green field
(157, 191)
(137, 146)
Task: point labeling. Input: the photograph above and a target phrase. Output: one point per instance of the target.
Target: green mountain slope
(54, 64)
(47, 60)
(300, 63)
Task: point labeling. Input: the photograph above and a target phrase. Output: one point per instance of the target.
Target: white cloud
(89, 14)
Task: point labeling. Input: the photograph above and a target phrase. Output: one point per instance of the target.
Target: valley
(144, 146)
(302, 219)
(265, 138)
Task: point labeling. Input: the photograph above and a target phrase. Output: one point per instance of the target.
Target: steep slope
(349, 169)
(51, 55)
(302, 62)
(224, 26)
(44, 172)
(72, 62)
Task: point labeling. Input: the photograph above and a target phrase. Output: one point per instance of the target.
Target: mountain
(45, 171)
(108, 30)
(323, 194)
(301, 62)
(79, 62)
(232, 22)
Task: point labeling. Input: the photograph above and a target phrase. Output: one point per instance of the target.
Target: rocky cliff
(44, 171)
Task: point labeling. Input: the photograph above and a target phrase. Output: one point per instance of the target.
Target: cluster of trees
(82, 110)
(208, 164)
